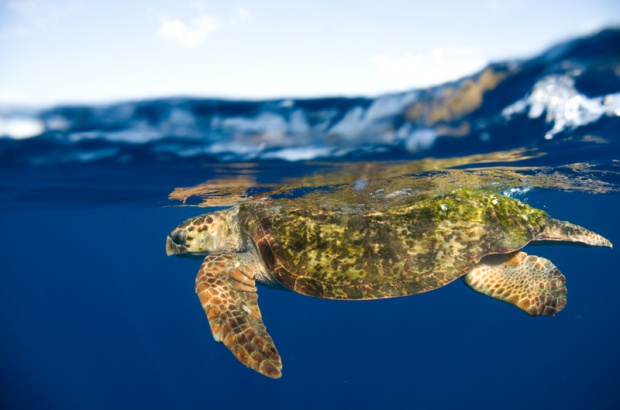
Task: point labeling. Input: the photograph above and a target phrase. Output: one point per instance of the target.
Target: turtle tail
(556, 230)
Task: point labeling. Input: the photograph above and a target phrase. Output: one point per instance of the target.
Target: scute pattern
(378, 249)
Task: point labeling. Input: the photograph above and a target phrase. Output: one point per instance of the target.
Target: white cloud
(434, 67)
(189, 34)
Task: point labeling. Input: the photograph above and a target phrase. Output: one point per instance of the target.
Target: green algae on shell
(376, 248)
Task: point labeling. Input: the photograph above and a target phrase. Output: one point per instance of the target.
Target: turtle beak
(170, 247)
(175, 242)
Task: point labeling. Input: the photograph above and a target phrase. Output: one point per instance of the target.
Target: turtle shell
(382, 246)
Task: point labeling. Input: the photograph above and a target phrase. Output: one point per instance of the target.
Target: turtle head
(206, 234)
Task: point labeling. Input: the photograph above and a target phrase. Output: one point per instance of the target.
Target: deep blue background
(95, 316)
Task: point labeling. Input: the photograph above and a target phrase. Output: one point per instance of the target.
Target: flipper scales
(226, 288)
(529, 282)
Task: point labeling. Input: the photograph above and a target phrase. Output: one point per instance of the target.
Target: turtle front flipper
(531, 283)
(226, 288)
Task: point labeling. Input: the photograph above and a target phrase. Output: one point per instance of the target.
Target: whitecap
(21, 127)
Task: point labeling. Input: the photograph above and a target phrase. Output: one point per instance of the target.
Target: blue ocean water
(93, 315)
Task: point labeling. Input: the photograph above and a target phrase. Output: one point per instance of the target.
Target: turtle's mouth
(175, 244)
(171, 247)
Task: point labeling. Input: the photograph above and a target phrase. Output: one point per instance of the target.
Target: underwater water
(94, 315)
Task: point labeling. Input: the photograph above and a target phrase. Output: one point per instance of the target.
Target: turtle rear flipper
(556, 230)
(531, 283)
(226, 288)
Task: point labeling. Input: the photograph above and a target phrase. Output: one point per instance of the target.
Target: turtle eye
(178, 237)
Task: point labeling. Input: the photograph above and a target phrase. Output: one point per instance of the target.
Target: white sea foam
(564, 106)
(21, 127)
(299, 154)
(516, 191)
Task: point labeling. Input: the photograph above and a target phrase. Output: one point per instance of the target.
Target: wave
(570, 92)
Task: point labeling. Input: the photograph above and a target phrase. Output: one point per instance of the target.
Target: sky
(75, 51)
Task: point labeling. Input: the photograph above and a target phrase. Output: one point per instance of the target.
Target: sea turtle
(356, 244)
